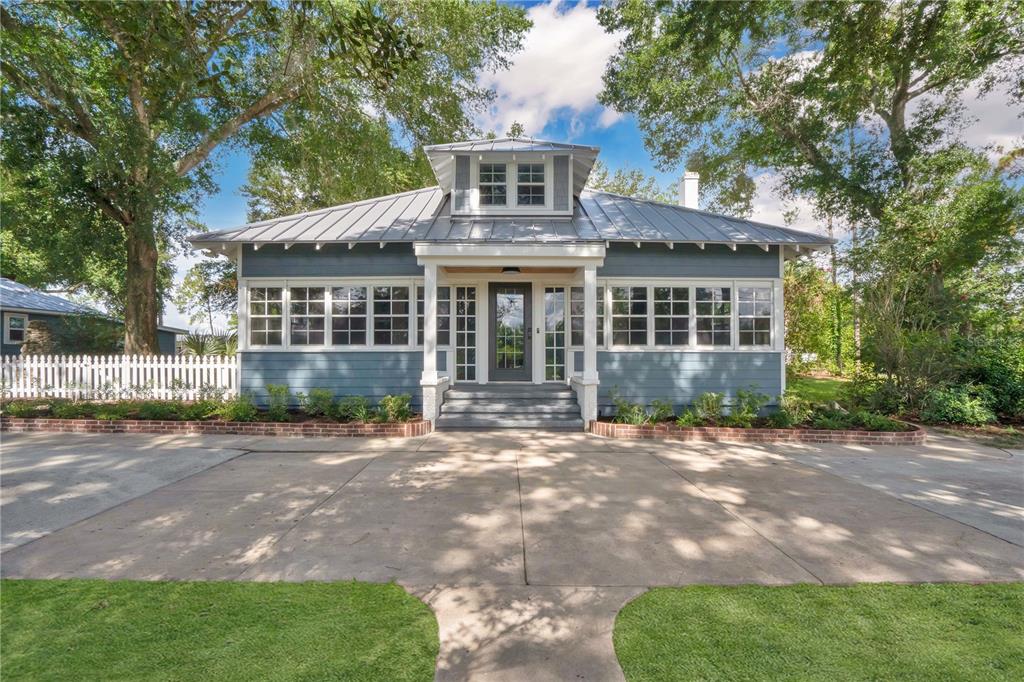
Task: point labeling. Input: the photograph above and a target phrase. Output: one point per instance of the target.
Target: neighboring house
(534, 280)
(21, 304)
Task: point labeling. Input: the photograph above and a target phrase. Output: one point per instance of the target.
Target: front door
(510, 332)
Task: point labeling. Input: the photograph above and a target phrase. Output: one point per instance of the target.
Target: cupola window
(493, 187)
(530, 184)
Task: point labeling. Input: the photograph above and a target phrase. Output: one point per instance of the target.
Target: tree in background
(112, 111)
(858, 108)
(629, 182)
(210, 288)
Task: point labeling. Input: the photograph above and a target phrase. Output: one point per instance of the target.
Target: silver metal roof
(423, 215)
(509, 144)
(22, 297)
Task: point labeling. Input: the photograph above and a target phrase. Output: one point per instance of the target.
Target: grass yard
(817, 390)
(99, 630)
(807, 632)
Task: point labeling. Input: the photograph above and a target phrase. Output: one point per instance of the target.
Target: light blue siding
(370, 374)
(689, 260)
(332, 260)
(681, 377)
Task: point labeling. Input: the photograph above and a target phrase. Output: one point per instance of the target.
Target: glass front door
(510, 332)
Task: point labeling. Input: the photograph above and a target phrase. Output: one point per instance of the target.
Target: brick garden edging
(288, 429)
(713, 433)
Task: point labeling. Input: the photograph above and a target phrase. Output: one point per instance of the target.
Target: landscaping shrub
(240, 408)
(21, 408)
(875, 393)
(354, 408)
(113, 411)
(395, 408)
(160, 409)
(745, 408)
(319, 402)
(1000, 366)
(967, 404)
(871, 421)
(70, 409)
(688, 418)
(661, 411)
(627, 412)
(793, 411)
(831, 420)
(200, 410)
(279, 397)
(708, 407)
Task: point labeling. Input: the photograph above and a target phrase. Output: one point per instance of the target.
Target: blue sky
(552, 90)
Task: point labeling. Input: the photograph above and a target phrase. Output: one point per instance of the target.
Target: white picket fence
(110, 377)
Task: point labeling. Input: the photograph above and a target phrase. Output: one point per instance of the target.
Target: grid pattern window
(530, 184)
(493, 184)
(390, 316)
(348, 316)
(576, 316)
(444, 315)
(671, 316)
(754, 315)
(714, 316)
(554, 333)
(14, 328)
(629, 316)
(266, 316)
(465, 333)
(306, 316)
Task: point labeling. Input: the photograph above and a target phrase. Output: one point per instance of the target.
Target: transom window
(671, 316)
(306, 316)
(493, 184)
(714, 316)
(629, 316)
(754, 314)
(390, 316)
(348, 316)
(530, 184)
(266, 316)
(444, 317)
(576, 316)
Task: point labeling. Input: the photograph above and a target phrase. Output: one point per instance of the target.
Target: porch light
(509, 270)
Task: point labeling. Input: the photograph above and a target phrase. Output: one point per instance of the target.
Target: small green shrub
(661, 411)
(319, 402)
(354, 408)
(627, 412)
(968, 404)
(832, 420)
(395, 408)
(70, 409)
(688, 418)
(240, 408)
(745, 408)
(160, 409)
(793, 411)
(199, 410)
(278, 398)
(21, 408)
(873, 393)
(871, 421)
(113, 411)
(708, 407)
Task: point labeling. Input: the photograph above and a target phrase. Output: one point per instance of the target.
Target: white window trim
(543, 183)
(7, 327)
(511, 161)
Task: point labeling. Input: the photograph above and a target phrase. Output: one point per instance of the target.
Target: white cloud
(767, 207)
(559, 68)
(995, 123)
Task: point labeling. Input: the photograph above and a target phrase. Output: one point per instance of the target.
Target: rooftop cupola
(511, 176)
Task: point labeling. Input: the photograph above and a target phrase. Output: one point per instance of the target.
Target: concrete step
(510, 407)
(449, 422)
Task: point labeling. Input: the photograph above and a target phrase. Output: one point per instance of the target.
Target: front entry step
(551, 407)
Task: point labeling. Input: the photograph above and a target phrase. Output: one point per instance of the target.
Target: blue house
(509, 295)
(21, 304)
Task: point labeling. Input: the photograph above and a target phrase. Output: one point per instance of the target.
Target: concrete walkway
(527, 545)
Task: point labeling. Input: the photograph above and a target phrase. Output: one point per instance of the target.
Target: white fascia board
(502, 253)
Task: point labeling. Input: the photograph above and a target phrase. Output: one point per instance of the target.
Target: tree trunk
(141, 306)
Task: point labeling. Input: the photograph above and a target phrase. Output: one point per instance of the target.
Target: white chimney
(688, 188)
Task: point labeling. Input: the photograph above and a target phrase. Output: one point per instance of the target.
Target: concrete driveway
(526, 545)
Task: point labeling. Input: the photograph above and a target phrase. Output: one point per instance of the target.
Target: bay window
(714, 316)
(306, 316)
(348, 316)
(266, 316)
(390, 316)
(754, 315)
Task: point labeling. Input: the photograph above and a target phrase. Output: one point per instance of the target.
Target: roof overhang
(524, 255)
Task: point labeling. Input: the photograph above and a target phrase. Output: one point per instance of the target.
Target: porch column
(430, 381)
(590, 381)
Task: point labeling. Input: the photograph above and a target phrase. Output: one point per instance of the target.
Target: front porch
(516, 315)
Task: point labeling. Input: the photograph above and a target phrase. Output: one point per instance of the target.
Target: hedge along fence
(107, 377)
(408, 429)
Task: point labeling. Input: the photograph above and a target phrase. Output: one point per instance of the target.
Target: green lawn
(98, 630)
(806, 632)
(815, 390)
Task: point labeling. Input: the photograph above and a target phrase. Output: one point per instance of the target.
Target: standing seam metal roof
(425, 215)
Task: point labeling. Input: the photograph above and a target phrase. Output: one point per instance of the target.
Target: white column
(590, 381)
(432, 391)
